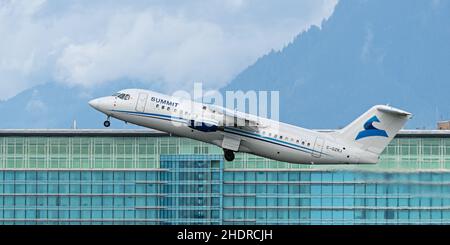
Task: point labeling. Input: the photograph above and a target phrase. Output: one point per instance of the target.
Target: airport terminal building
(147, 177)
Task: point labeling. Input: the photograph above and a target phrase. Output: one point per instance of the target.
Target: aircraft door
(141, 102)
(318, 147)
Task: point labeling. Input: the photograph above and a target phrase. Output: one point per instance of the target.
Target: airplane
(361, 142)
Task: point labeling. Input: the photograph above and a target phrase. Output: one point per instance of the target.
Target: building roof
(82, 132)
(154, 133)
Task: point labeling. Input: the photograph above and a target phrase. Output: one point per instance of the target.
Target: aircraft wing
(236, 119)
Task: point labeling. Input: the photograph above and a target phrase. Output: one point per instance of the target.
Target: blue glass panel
(53, 176)
(63, 176)
(9, 176)
(261, 189)
(261, 176)
(316, 177)
(272, 202)
(31, 176)
(75, 214)
(20, 176)
(140, 201)
(75, 175)
(85, 214)
(118, 214)
(96, 201)
(86, 175)
(96, 214)
(42, 175)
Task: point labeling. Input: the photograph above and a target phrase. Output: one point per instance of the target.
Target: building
(145, 177)
(443, 125)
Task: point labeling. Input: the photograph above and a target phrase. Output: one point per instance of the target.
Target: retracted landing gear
(228, 154)
(107, 123)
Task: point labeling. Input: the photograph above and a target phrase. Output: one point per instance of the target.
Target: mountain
(368, 52)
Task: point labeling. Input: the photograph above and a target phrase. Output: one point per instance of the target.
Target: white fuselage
(274, 140)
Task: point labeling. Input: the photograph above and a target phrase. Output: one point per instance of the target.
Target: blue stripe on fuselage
(158, 116)
(233, 130)
(271, 140)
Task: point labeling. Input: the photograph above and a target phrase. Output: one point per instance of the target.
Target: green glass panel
(10, 162)
(20, 163)
(63, 163)
(107, 163)
(98, 163)
(142, 163)
(40, 163)
(261, 164)
(76, 163)
(129, 163)
(54, 163)
(85, 163)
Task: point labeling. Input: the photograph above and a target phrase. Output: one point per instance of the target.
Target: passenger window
(175, 110)
(298, 141)
(162, 107)
(168, 108)
(281, 137)
(157, 105)
(309, 144)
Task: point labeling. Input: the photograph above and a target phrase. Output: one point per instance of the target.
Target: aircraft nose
(95, 103)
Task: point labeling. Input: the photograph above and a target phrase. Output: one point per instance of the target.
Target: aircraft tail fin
(374, 129)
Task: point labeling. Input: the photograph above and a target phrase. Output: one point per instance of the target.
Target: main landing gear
(107, 123)
(228, 154)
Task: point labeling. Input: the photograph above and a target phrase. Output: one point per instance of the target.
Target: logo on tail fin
(370, 130)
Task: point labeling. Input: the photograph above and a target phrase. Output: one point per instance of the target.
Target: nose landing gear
(107, 123)
(228, 154)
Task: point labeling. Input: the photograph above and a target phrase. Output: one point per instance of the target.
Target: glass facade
(51, 177)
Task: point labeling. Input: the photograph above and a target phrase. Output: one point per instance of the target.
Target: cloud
(167, 44)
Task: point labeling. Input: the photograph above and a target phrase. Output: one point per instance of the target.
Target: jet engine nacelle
(203, 126)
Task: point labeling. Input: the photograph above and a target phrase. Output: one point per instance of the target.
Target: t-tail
(373, 130)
